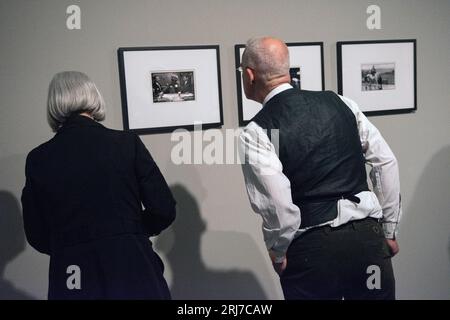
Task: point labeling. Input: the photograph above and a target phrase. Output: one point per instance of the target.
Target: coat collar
(77, 121)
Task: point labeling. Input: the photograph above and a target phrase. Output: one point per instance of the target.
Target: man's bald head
(269, 56)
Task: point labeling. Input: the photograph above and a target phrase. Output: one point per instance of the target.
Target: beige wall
(215, 249)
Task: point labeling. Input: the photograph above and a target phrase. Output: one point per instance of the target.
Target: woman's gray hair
(72, 92)
(269, 63)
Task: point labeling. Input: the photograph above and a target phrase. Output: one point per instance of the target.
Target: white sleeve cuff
(390, 230)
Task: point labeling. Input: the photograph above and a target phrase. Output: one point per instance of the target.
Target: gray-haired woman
(83, 197)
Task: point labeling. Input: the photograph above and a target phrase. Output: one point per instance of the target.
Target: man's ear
(250, 75)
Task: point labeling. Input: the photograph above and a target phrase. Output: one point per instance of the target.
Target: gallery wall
(215, 248)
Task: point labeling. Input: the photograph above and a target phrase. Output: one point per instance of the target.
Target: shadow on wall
(426, 227)
(192, 279)
(12, 242)
(448, 247)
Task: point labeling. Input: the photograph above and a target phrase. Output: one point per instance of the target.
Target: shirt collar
(275, 91)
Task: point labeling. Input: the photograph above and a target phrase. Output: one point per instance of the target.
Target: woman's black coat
(82, 205)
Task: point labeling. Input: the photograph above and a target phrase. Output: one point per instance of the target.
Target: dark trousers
(351, 261)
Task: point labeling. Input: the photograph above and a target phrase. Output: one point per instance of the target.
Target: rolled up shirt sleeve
(269, 190)
(384, 172)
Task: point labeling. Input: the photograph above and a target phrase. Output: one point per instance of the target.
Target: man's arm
(269, 191)
(384, 173)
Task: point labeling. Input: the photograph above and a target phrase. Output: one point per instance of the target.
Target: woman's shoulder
(121, 134)
(122, 138)
(42, 148)
(39, 153)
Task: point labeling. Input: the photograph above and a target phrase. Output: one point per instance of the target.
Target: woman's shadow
(12, 243)
(191, 279)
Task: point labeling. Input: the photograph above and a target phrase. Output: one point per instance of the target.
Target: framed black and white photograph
(172, 86)
(296, 79)
(167, 88)
(307, 73)
(378, 75)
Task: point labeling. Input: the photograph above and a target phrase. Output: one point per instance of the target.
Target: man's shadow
(425, 229)
(12, 243)
(191, 278)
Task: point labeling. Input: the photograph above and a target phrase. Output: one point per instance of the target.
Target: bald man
(328, 235)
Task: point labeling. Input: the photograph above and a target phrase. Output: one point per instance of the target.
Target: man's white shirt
(269, 190)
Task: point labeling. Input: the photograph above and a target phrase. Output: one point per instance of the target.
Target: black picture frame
(183, 53)
(241, 100)
(409, 76)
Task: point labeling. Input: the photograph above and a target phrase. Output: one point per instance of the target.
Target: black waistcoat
(320, 149)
